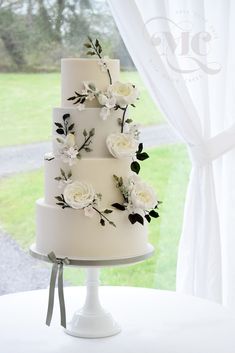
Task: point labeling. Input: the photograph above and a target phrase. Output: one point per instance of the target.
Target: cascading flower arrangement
(139, 199)
(118, 95)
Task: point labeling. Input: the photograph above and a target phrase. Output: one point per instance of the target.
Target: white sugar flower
(107, 100)
(131, 181)
(125, 93)
(132, 129)
(69, 140)
(69, 155)
(102, 98)
(122, 145)
(68, 150)
(89, 211)
(81, 106)
(90, 90)
(104, 113)
(79, 194)
(143, 196)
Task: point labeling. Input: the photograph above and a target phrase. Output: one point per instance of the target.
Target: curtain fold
(200, 112)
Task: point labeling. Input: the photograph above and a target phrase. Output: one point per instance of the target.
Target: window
(33, 39)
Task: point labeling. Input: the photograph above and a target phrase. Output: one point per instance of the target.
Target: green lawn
(167, 170)
(26, 101)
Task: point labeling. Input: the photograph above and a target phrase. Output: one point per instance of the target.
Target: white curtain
(184, 51)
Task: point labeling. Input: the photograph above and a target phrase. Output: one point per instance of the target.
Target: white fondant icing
(75, 71)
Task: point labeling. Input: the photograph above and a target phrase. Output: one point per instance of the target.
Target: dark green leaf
(90, 53)
(69, 174)
(59, 198)
(62, 173)
(87, 45)
(71, 98)
(107, 211)
(91, 86)
(49, 159)
(88, 149)
(132, 218)
(60, 131)
(58, 178)
(71, 127)
(136, 217)
(133, 105)
(102, 222)
(92, 132)
(142, 156)
(112, 224)
(61, 204)
(153, 214)
(59, 125)
(135, 167)
(140, 148)
(97, 43)
(118, 206)
(84, 133)
(66, 116)
(128, 121)
(148, 218)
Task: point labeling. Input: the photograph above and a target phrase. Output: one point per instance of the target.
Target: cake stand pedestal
(92, 320)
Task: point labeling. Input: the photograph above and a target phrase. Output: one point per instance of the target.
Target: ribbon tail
(51, 293)
(61, 296)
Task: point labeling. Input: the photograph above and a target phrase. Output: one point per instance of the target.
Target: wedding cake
(95, 204)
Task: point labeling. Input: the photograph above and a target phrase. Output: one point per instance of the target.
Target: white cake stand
(92, 320)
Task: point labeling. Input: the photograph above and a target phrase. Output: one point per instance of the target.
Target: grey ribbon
(57, 270)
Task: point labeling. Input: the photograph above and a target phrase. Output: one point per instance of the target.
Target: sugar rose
(125, 93)
(79, 194)
(122, 145)
(143, 196)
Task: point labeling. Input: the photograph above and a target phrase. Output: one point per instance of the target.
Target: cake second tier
(87, 119)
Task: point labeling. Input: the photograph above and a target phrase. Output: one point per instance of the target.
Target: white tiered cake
(96, 230)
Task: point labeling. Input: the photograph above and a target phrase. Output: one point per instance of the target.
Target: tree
(12, 34)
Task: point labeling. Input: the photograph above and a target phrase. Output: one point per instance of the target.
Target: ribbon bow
(57, 269)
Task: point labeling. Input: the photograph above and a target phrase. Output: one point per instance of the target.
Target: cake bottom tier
(69, 233)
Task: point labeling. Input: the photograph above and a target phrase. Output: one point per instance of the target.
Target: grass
(26, 101)
(167, 170)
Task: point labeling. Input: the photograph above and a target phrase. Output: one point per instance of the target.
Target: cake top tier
(75, 71)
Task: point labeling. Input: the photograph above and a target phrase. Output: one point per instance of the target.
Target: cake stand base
(92, 326)
(92, 321)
